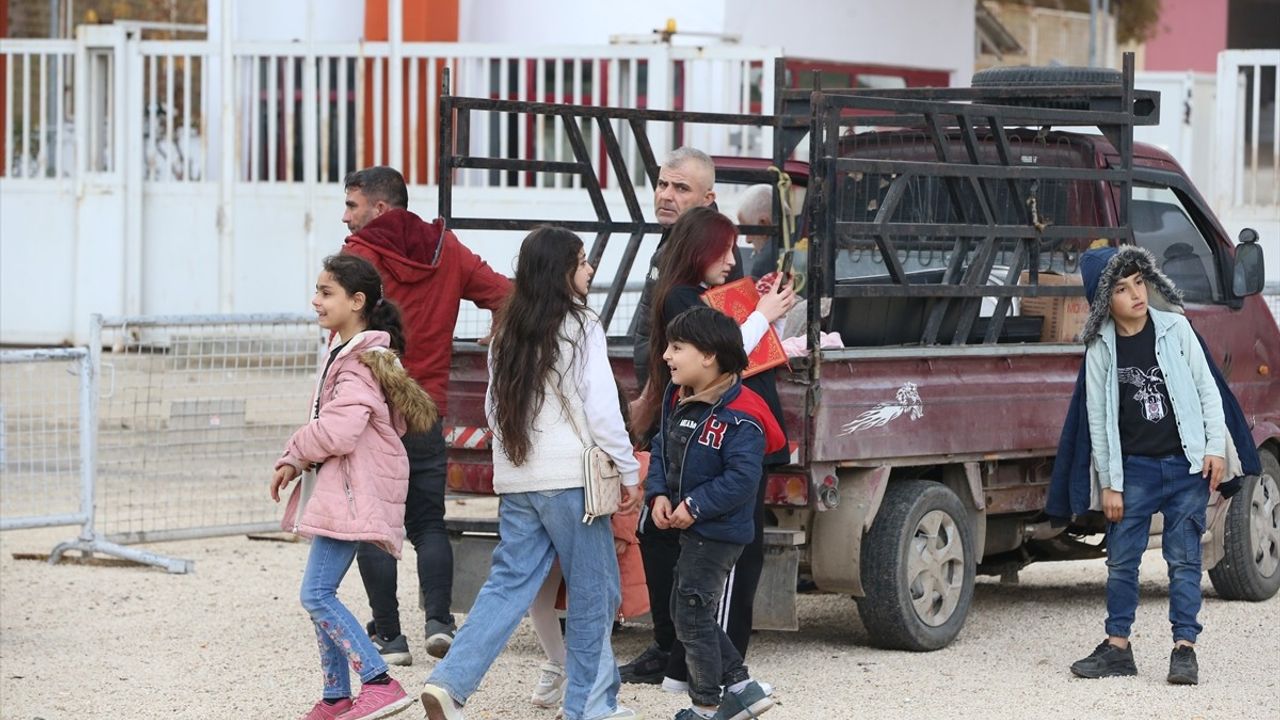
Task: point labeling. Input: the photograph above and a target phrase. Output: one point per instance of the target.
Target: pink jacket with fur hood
(367, 401)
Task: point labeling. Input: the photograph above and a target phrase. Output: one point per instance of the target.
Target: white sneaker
(439, 704)
(675, 687)
(550, 687)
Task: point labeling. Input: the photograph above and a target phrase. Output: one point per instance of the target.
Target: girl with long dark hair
(364, 402)
(551, 395)
(699, 255)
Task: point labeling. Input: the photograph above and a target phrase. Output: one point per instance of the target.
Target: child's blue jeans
(342, 639)
(1167, 485)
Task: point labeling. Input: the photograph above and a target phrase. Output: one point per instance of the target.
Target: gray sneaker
(746, 704)
(394, 651)
(439, 637)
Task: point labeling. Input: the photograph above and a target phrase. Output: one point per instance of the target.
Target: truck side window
(1162, 225)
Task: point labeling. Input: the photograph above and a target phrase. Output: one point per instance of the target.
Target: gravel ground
(231, 641)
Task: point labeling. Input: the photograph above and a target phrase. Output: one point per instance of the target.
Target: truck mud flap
(775, 606)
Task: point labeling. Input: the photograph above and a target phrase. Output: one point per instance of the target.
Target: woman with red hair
(699, 256)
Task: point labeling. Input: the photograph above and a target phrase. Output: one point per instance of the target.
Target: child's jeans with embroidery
(343, 641)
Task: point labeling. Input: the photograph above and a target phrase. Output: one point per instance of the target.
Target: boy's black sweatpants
(660, 551)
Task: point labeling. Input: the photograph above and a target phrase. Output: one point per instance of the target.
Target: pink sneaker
(324, 711)
(378, 701)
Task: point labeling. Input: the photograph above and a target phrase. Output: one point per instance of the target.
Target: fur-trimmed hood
(405, 396)
(1100, 270)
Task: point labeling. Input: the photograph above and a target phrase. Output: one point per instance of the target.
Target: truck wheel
(1250, 565)
(917, 568)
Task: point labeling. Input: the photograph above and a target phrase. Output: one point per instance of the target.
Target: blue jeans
(711, 657)
(341, 637)
(535, 528)
(1168, 486)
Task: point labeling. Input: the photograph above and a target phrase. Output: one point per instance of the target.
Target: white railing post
(1225, 124)
(309, 120)
(129, 160)
(658, 96)
(395, 79)
(227, 173)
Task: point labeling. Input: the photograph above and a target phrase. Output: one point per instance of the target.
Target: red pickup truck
(935, 222)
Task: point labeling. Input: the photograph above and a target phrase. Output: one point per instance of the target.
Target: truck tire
(1033, 75)
(917, 568)
(1250, 565)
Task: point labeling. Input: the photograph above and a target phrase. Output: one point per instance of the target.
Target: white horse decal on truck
(908, 402)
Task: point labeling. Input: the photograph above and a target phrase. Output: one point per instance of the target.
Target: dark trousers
(424, 526)
(701, 575)
(660, 551)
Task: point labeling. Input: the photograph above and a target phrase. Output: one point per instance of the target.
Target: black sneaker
(439, 637)
(1183, 668)
(648, 668)
(394, 651)
(1106, 660)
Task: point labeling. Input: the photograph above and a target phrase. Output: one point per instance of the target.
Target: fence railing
(1271, 293)
(46, 477)
(193, 413)
(306, 112)
(164, 428)
(1247, 130)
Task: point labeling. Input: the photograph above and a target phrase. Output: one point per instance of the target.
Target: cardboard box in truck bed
(1064, 317)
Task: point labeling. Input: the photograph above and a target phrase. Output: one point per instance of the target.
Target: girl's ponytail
(357, 275)
(385, 316)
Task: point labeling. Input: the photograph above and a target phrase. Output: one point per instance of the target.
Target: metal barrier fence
(44, 479)
(193, 413)
(1271, 293)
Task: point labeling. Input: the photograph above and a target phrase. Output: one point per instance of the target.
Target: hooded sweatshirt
(427, 272)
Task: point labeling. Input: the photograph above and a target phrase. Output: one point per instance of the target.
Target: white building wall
(930, 34)
(579, 22)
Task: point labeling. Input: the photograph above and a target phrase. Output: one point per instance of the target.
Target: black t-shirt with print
(1147, 424)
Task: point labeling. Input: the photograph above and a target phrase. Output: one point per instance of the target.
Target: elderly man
(686, 180)
(756, 208)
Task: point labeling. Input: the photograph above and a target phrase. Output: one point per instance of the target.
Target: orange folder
(738, 300)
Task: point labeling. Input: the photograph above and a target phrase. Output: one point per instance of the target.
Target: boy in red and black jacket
(707, 458)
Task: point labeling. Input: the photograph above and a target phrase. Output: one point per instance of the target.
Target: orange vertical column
(424, 21)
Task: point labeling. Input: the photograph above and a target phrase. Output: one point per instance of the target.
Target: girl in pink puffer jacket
(363, 402)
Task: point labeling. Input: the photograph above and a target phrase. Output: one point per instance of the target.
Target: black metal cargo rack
(968, 130)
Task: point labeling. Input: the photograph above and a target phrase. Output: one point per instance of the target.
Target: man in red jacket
(427, 272)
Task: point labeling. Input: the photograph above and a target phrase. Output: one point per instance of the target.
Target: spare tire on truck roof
(1031, 75)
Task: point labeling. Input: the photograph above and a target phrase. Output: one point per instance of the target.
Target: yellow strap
(788, 220)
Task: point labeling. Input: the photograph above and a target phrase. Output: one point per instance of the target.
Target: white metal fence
(305, 112)
(163, 428)
(43, 477)
(193, 413)
(1247, 129)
